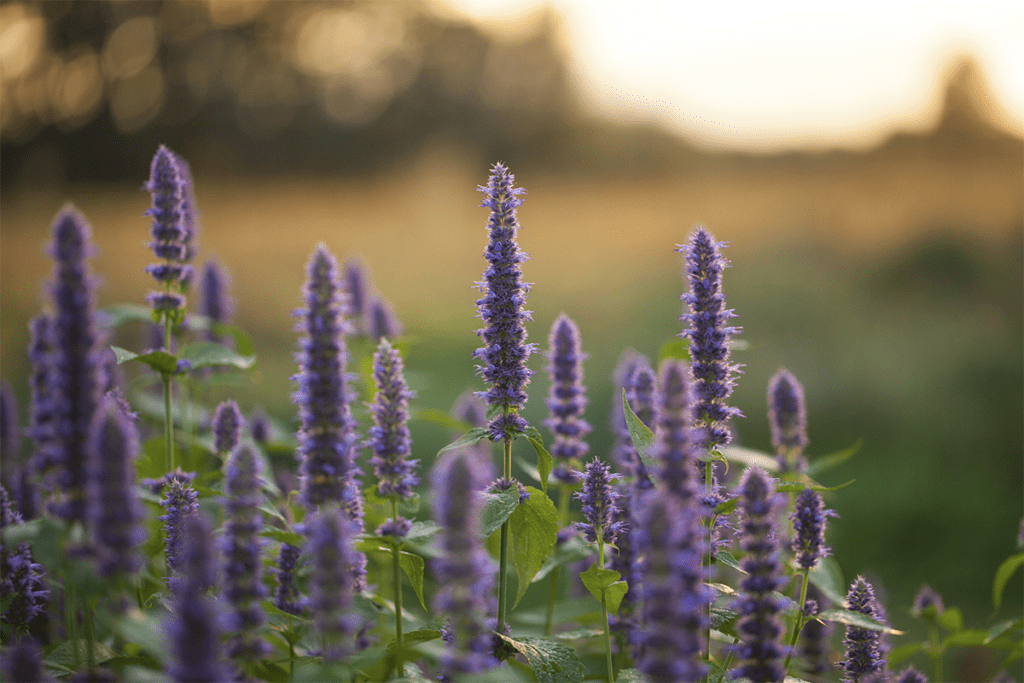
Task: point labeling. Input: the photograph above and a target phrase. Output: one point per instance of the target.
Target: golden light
(136, 100)
(22, 37)
(130, 48)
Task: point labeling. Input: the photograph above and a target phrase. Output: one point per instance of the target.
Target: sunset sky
(786, 74)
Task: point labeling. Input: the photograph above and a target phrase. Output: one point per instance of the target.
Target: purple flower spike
(389, 436)
(286, 595)
(816, 637)
(623, 453)
(809, 516)
(22, 664)
(260, 426)
(787, 414)
(189, 212)
(170, 235)
(760, 653)
(673, 592)
(241, 546)
(381, 320)
(42, 399)
(675, 437)
(23, 594)
(709, 334)
(214, 301)
(506, 351)
(927, 598)
(354, 279)
(193, 631)
(331, 584)
(181, 502)
(114, 509)
(464, 570)
(864, 648)
(327, 439)
(599, 508)
(640, 392)
(227, 427)
(10, 430)
(911, 675)
(567, 398)
(76, 379)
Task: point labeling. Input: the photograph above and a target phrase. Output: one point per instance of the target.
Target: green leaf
(145, 630)
(751, 458)
(678, 348)
(580, 634)
(726, 507)
(498, 507)
(552, 662)
(289, 537)
(119, 314)
(723, 589)
(161, 361)
(952, 620)
(598, 580)
(728, 560)
(828, 578)
(614, 596)
(468, 439)
(208, 354)
(825, 463)
(724, 620)
(412, 565)
(545, 463)
(968, 638)
(421, 532)
(631, 676)
(1004, 627)
(791, 679)
(642, 437)
(1007, 569)
(534, 527)
(570, 552)
(438, 417)
(898, 654)
(796, 487)
(850, 618)
(64, 654)
(26, 532)
(266, 671)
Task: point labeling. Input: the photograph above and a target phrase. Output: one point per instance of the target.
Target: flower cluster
(809, 516)
(865, 654)
(505, 351)
(675, 441)
(332, 589)
(787, 415)
(214, 301)
(171, 235)
(227, 427)
(286, 594)
(181, 502)
(23, 595)
(599, 508)
(327, 439)
(709, 334)
(567, 398)
(389, 435)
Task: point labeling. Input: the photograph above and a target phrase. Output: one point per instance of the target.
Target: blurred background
(866, 167)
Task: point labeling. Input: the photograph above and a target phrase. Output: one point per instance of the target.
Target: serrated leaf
(551, 662)
(726, 558)
(827, 462)
(631, 676)
(952, 620)
(851, 618)
(119, 314)
(545, 463)
(161, 361)
(580, 634)
(642, 437)
(1007, 569)
(421, 532)
(145, 630)
(209, 354)
(724, 619)
(534, 528)
(898, 654)
(289, 537)
(471, 437)
(64, 654)
(497, 508)
(597, 580)
(796, 487)
(614, 596)
(750, 458)
(726, 507)
(828, 578)
(412, 565)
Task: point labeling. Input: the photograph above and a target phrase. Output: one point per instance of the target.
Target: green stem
(396, 574)
(168, 423)
(71, 621)
(90, 656)
(937, 650)
(503, 556)
(556, 573)
(604, 610)
(799, 619)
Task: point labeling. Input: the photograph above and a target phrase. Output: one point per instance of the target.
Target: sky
(781, 75)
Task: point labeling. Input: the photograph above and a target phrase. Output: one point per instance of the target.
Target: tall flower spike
(809, 516)
(326, 436)
(193, 631)
(816, 637)
(331, 588)
(227, 427)
(114, 507)
(911, 675)
(927, 600)
(673, 591)
(864, 648)
(674, 435)
(389, 436)
(567, 398)
(286, 594)
(76, 377)
(214, 301)
(709, 334)
(787, 414)
(382, 321)
(181, 502)
(505, 349)
(189, 212)
(354, 279)
(23, 664)
(599, 508)
(42, 399)
(623, 453)
(241, 545)
(640, 392)
(23, 595)
(760, 654)
(169, 235)
(464, 570)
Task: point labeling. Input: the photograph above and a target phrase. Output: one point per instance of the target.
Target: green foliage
(412, 565)
(642, 437)
(534, 528)
(832, 460)
(606, 586)
(475, 435)
(849, 618)
(552, 662)
(161, 361)
(1007, 569)
(545, 463)
(497, 508)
